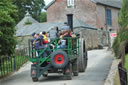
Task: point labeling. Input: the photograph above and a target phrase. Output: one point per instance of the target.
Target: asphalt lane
(99, 63)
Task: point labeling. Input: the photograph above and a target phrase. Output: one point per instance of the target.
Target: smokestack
(70, 21)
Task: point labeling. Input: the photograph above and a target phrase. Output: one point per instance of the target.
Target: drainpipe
(70, 21)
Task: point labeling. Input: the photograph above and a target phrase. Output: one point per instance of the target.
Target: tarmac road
(99, 64)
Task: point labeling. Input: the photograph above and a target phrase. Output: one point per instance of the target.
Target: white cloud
(47, 2)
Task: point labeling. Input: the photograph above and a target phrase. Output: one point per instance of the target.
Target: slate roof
(112, 3)
(27, 17)
(39, 27)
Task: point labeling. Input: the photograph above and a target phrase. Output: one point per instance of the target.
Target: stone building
(93, 36)
(99, 13)
(90, 33)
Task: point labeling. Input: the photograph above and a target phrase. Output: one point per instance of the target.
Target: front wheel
(45, 74)
(68, 72)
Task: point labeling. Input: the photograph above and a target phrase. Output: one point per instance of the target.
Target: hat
(52, 27)
(33, 34)
(44, 32)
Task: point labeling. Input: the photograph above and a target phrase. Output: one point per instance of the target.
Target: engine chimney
(70, 21)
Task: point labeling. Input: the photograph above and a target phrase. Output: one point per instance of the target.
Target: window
(108, 17)
(70, 2)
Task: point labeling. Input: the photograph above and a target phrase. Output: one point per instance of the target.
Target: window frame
(108, 16)
(70, 2)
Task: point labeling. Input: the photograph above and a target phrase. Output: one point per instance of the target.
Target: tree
(20, 7)
(8, 16)
(123, 17)
(34, 7)
(37, 7)
(123, 34)
(43, 17)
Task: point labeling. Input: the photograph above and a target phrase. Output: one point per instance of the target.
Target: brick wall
(56, 12)
(101, 20)
(115, 13)
(83, 10)
(86, 10)
(100, 16)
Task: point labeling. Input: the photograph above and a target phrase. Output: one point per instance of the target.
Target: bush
(8, 16)
(122, 36)
(116, 45)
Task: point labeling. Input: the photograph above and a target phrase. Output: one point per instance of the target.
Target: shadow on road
(56, 77)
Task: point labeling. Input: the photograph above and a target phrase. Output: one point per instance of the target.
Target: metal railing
(9, 64)
(122, 74)
(72, 47)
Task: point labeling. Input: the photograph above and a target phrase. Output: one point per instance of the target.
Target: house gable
(111, 3)
(27, 17)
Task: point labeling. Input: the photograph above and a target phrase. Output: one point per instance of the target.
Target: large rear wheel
(85, 56)
(82, 55)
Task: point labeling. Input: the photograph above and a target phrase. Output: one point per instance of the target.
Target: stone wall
(23, 42)
(93, 38)
(22, 47)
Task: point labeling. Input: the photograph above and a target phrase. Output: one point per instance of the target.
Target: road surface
(99, 63)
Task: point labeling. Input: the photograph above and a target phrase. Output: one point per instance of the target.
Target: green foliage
(34, 7)
(123, 21)
(122, 36)
(123, 17)
(117, 79)
(8, 15)
(43, 17)
(126, 62)
(28, 22)
(116, 45)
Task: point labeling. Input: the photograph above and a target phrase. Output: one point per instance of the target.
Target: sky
(47, 2)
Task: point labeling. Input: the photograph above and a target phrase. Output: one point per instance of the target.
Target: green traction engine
(69, 60)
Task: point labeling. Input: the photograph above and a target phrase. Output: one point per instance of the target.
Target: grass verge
(117, 79)
(126, 64)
